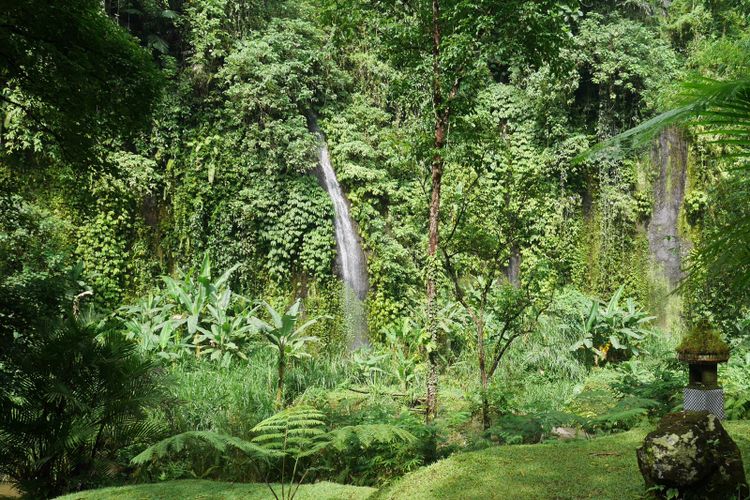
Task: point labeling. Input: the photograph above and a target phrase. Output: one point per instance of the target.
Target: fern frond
(369, 434)
(295, 417)
(180, 442)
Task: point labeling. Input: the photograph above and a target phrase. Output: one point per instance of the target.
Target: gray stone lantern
(703, 350)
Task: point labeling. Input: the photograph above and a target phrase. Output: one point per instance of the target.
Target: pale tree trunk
(441, 118)
(477, 317)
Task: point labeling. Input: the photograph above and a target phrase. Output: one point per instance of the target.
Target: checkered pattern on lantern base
(710, 400)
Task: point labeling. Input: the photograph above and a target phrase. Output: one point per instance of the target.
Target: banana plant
(223, 331)
(195, 314)
(404, 342)
(368, 365)
(609, 326)
(152, 324)
(192, 295)
(286, 338)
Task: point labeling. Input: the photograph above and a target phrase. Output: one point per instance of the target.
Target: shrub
(515, 429)
(735, 379)
(661, 381)
(78, 396)
(288, 445)
(209, 397)
(696, 203)
(625, 414)
(205, 396)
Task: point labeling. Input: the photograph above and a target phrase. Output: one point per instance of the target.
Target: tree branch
(34, 118)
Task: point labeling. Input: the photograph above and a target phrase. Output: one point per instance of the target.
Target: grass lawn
(603, 468)
(204, 490)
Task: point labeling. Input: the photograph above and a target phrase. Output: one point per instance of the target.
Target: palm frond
(703, 102)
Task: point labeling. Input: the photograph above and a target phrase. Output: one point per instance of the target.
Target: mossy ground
(602, 468)
(194, 489)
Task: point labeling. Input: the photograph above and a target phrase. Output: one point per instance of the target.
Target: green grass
(204, 490)
(603, 468)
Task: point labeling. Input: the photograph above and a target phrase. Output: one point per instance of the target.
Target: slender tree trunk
(280, 386)
(479, 324)
(441, 118)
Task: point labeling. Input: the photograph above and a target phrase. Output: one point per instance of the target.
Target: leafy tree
(463, 42)
(36, 279)
(499, 260)
(152, 21)
(34, 267)
(72, 73)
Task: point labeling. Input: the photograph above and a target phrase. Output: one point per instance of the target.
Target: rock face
(691, 452)
(670, 157)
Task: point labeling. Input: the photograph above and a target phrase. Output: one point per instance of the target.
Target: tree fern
(284, 439)
(299, 432)
(296, 432)
(192, 439)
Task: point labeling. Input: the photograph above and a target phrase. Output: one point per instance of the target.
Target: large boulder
(692, 453)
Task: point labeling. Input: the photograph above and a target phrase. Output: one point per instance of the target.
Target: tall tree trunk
(441, 119)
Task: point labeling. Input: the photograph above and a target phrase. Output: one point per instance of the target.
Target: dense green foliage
(70, 74)
(170, 301)
(75, 398)
(603, 468)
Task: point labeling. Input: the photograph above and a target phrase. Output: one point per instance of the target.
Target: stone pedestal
(703, 392)
(702, 399)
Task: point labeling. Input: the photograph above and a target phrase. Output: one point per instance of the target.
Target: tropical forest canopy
(171, 253)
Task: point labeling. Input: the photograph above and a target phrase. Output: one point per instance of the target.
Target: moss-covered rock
(691, 452)
(703, 339)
